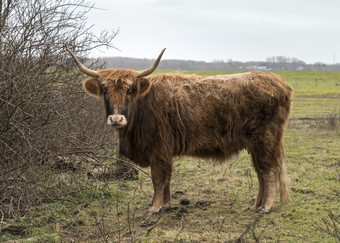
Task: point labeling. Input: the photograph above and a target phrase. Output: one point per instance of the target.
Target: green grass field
(219, 194)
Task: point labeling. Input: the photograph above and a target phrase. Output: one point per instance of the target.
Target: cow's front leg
(161, 175)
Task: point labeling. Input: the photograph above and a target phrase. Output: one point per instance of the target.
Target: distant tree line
(275, 63)
(283, 59)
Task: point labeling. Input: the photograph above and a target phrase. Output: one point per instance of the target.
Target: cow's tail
(283, 183)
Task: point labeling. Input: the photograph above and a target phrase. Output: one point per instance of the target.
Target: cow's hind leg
(270, 181)
(267, 160)
(258, 201)
(267, 173)
(161, 175)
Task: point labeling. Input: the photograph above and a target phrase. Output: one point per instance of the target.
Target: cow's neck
(147, 124)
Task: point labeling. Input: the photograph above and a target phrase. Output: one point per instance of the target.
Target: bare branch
(45, 119)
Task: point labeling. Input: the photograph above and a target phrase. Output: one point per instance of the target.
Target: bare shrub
(330, 226)
(45, 117)
(334, 120)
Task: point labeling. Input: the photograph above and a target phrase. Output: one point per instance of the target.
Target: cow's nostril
(116, 120)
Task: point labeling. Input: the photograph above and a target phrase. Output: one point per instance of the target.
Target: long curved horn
(84, 69)
(150, 70)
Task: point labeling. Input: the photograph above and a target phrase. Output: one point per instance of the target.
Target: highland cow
(162, 116)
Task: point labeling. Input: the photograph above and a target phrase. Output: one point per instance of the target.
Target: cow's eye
(129, 91)
(105, 90)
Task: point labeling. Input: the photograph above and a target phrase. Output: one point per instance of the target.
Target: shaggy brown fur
(211, 117)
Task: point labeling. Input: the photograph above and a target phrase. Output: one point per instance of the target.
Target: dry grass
(219, 195)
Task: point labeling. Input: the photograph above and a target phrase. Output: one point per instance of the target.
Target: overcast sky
(208, 30)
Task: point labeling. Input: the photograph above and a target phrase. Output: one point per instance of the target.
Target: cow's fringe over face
(117, 87)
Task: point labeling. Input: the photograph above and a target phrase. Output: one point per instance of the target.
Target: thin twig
(127, 163)
(153, 226)
(250, 227)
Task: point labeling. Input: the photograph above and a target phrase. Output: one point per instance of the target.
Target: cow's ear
(144, 86)
(93, 87)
